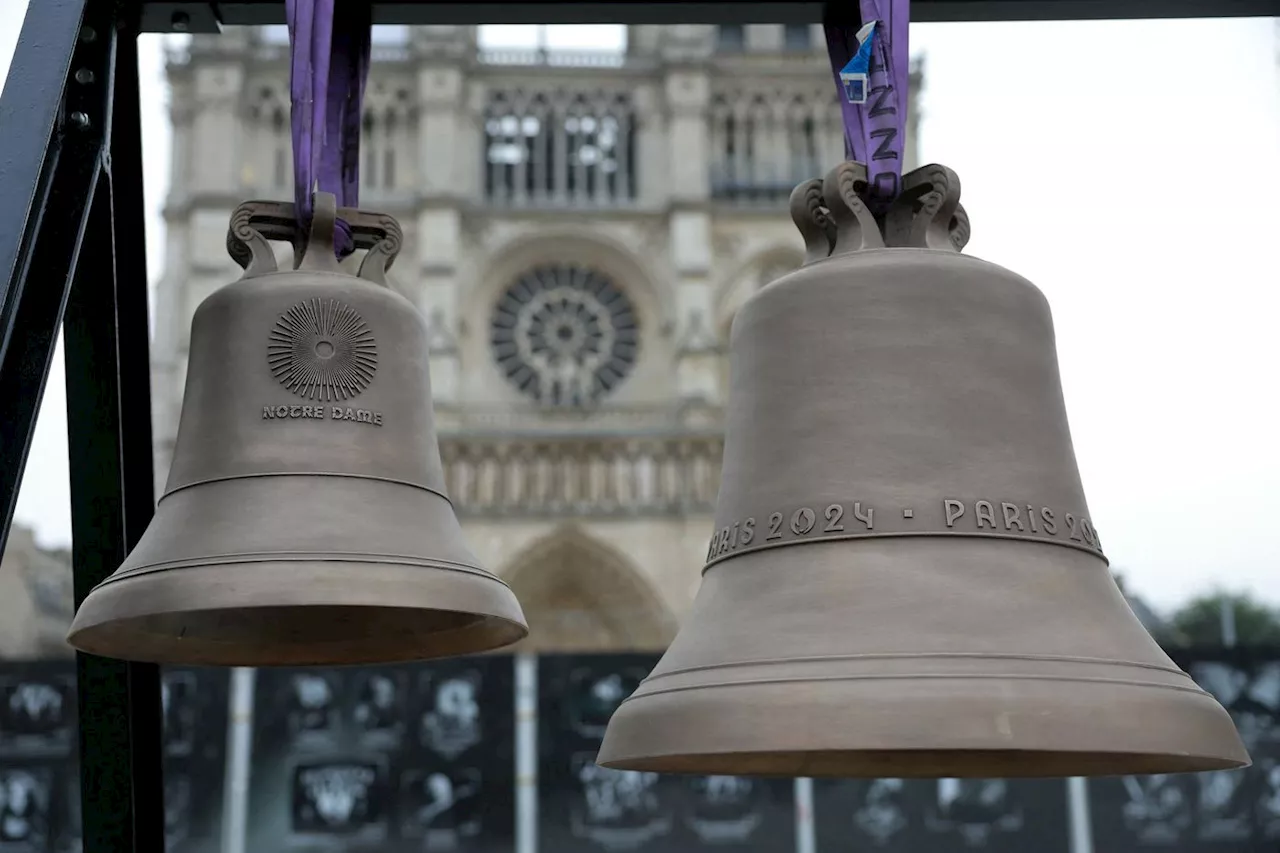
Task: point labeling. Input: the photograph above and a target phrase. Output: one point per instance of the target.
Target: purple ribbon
(875, 131)
(329, 49)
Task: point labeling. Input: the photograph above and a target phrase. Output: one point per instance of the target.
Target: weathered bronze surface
(304, 520)
(904, 579)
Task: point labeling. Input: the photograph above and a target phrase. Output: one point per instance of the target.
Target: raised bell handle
(257, 222)
(811, 215)
(855, 226)
(927, 214)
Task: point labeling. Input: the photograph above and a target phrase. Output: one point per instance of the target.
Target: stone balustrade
(582, 475)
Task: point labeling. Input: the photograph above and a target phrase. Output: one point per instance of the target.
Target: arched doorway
(580, 595)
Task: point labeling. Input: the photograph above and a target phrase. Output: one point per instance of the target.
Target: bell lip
(920, 764)
(118, 619)
(955, 727)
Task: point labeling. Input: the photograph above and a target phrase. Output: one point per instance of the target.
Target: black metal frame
(75, 159)
(193, 16)
(73, 256)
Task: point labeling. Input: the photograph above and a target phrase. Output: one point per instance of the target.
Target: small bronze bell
(904, 579)
(304, 521)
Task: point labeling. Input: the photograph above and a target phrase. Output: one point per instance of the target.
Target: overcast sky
(1129, 170)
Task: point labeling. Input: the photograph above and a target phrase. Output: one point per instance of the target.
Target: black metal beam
(121, 783)
(132, 310)
(105, 336)
(190, 16)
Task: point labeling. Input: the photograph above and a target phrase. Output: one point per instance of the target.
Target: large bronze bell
(904, 579)
(304, 521)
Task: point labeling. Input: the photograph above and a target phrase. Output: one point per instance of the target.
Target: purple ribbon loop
(329, 46)
(875, 131)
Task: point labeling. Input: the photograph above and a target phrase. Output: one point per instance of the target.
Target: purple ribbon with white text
(875, 130)
(329, 47)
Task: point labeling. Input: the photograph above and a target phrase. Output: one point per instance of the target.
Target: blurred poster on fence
(399, 758)
(40, 768)
(913, 815)
(39, 745)
(587, 808)
(194, 708)
(1215, 812)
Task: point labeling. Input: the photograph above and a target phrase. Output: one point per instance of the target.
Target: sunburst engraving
(322, 349)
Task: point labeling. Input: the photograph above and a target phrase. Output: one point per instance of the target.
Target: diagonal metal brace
(56, 109)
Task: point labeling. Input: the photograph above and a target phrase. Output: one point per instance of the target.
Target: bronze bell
(304, 521)
(904, 580)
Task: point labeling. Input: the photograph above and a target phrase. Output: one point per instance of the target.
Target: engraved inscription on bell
(859, 520)
(322, 350)
(320, 413)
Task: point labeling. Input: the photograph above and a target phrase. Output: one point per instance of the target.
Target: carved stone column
(688, 94)
(215, 164)
(448, 169)
(436, 293)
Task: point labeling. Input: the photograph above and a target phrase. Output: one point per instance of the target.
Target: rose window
(564, 335)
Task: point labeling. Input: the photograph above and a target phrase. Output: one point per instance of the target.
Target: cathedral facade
(580, 227)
